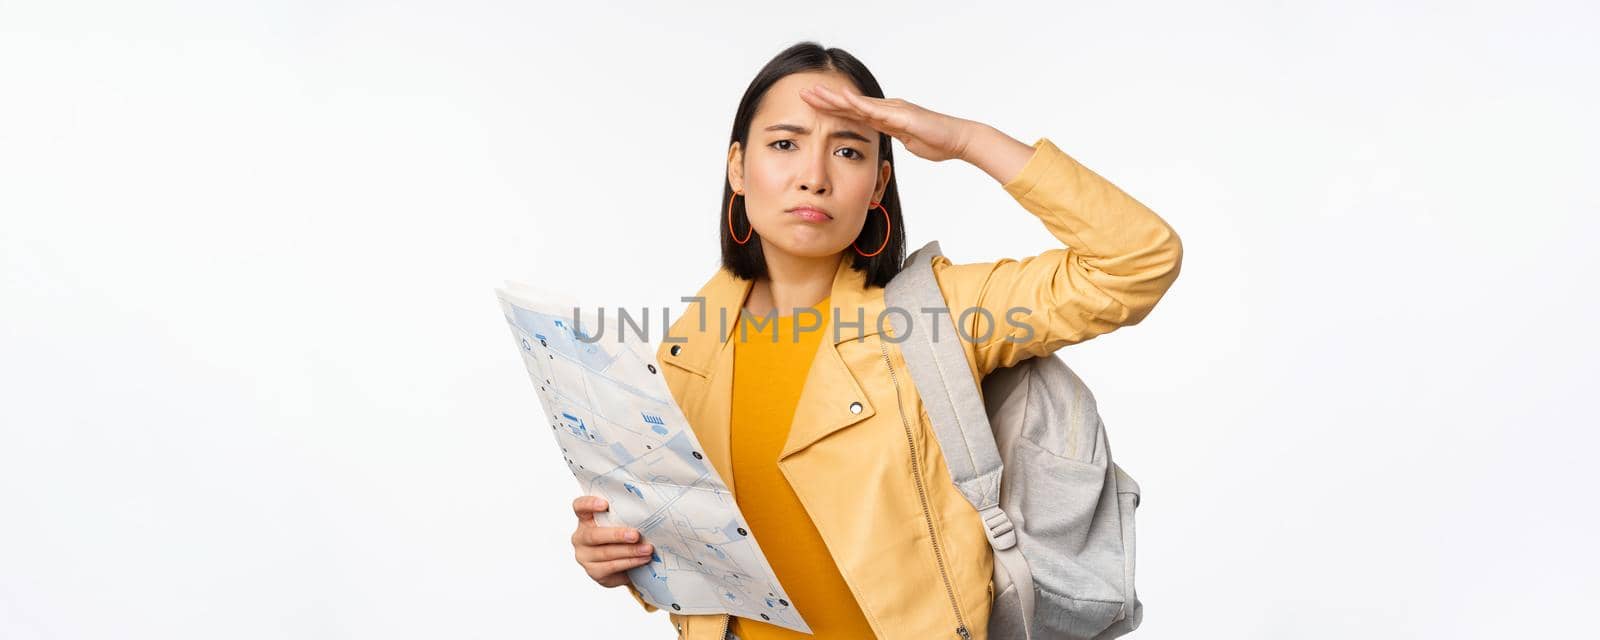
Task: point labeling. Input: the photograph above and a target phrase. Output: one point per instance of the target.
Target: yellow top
(767, 378)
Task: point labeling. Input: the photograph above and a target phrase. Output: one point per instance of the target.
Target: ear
(736, 166)
(884, 172)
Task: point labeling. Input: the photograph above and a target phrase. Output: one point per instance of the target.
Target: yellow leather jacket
(861, 454)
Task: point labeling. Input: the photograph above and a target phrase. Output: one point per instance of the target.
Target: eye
(857, 154)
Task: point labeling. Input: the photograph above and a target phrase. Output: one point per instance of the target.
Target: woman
(820, 435)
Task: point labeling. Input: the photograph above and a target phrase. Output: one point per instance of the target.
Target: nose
(815, 178)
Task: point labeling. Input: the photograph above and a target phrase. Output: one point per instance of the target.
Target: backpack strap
(960, 419)
(944, 378)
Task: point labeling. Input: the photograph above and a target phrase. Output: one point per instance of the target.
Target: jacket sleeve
(1118, 260)
(634, 591)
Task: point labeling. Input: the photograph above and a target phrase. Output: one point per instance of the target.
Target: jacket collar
(830, 389)
(722, 297)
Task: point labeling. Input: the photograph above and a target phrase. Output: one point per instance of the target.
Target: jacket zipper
(922, 495)
(727, 621)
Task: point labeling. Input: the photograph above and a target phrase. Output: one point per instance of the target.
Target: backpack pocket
(1073, 536)
(1127, 508)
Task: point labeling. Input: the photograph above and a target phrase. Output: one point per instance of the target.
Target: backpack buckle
(1002, 534)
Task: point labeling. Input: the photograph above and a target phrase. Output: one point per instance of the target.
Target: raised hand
(928, 134)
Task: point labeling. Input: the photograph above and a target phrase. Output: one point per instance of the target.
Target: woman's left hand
(928, 134)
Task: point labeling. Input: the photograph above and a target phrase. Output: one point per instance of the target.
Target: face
(798, 156)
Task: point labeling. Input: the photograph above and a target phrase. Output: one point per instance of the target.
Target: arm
(1118, 259)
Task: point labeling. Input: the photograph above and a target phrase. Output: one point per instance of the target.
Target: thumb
(585, 508)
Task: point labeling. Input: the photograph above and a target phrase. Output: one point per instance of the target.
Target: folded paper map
(625, 439)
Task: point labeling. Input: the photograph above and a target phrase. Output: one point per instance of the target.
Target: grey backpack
(1031, 455)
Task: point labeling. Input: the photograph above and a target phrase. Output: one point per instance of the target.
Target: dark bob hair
(747, 260)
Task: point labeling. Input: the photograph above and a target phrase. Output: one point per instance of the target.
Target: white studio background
(256, 385)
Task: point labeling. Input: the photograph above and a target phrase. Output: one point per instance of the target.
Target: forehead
(783, 102)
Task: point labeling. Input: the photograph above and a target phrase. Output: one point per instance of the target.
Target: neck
(792, 281)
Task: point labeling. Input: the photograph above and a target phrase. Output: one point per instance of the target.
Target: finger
(879, 125)
(865, 105)
(600, 570)
(620, 551)
(607, 535)
(823, 93)
(585, 507)
(614, 580)
(835, 104)
(875, 112)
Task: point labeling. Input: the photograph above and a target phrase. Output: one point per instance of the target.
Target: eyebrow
(843, 133)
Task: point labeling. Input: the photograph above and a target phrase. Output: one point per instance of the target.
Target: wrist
(972, 137)
(997, 154)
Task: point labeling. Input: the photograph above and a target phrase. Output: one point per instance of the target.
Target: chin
(812, 248)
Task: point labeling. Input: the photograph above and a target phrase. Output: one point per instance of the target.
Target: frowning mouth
(810, 213)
